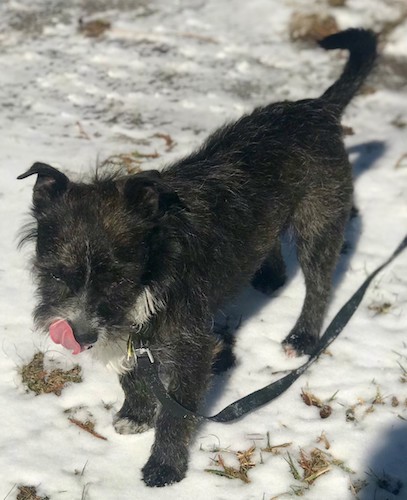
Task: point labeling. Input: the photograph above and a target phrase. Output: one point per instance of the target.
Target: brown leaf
(93, 29)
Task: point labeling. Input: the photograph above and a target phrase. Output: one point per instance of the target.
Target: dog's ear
(149, 195)
(50, 183)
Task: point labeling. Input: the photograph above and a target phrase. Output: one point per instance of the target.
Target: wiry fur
(164, 250)
(147, 304)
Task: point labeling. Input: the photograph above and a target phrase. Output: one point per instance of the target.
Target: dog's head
(101, 250)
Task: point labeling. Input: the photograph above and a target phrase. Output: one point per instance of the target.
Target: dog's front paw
(298, 343)
(124, 425)
(159, 475)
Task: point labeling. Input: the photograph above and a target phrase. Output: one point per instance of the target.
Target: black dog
(159, 252)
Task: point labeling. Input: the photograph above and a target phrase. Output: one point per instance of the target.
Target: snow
(184, 68)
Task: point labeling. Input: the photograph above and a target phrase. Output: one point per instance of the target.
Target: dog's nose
(84, 335)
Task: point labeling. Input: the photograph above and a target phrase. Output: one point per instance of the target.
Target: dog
(161, 251)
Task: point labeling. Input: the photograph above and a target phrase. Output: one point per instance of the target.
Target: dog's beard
(112, 352)
(110, 347)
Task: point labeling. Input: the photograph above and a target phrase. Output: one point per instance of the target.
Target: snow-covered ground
(181, 68)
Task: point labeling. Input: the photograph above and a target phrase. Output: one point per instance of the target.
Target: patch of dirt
(33, 19)
(310, 27)
(39, 14)
(337, 3)
(94, 6)
(391, 73)
(42, 381)
(94, 28)
(387, 26)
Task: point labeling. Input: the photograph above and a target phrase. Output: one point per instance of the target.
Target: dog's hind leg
(139, 407)
(271, 275)
(319, 241)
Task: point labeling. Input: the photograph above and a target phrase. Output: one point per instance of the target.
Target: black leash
(272, 391)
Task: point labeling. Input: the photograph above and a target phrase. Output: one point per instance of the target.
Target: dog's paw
(299, 343)
(158, 475)
(124, 425)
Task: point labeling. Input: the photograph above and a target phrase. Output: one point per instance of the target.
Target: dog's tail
(362, 45)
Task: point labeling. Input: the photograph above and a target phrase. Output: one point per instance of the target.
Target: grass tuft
(246, 462)
(380, 308)
(293, 469)
(314, 464)
(42, 381)
(275, 449)
(29, 493)
(357, 486)
(310, 399)
(323, 439)
(403, 377)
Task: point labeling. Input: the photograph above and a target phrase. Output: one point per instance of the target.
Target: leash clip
(138, 352)
(141, 351)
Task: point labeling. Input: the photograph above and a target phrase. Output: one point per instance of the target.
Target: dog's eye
(104, 310)
(56, 277)
(118, 284)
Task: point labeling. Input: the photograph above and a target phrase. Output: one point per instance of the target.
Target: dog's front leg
(190, 373)
(139, 407)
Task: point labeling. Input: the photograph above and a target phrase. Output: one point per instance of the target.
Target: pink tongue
(61, 333)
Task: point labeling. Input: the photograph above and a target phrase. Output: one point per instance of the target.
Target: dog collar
(138, 352)
(138, 344)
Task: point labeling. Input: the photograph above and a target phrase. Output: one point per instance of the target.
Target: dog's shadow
(250, 302)
(385, 472)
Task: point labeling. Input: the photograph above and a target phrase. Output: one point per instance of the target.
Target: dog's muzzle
(62, 333)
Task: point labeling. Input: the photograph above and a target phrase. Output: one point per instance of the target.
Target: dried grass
(402, 161)
(380, 308)
(42, 381)
(311, 400)
(87, 426)
(293, 469)
(394, 402)
(246, 462)
(323, 439)
(378, 399)
(314, 464)
(358, 485)
(29, 493)
(403, 377)
(130, 161)
(275, 449)
(83, 418)
(169, 141)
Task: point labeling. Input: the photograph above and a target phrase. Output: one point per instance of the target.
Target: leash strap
(272, 391)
